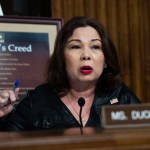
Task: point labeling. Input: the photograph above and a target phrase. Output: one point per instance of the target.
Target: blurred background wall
(127, 21)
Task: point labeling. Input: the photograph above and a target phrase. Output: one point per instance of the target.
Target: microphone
(81, 102)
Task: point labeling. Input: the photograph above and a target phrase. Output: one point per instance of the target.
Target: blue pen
(15, 85)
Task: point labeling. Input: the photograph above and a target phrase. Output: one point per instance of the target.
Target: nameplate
(120, 116)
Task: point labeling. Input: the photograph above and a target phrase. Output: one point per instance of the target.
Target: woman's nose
(85, 56)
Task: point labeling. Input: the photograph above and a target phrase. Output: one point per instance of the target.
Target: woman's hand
(6, 95)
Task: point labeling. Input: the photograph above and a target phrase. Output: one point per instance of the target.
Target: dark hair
(56, 71)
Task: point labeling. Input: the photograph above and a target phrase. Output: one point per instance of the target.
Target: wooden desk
(90, 139)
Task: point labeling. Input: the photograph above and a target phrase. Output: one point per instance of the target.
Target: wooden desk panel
(72, 139)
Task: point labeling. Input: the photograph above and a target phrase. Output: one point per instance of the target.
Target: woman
(84, 64)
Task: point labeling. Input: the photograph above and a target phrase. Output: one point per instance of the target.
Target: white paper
(1, 12)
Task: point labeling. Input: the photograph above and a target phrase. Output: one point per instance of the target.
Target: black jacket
(43, 109)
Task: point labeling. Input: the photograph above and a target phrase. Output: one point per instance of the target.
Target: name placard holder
(126, 116)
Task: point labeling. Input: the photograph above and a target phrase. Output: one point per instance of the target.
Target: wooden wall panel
(67, 7)
(57, 8)
(101, 11)
(79, 7)
(135, 47)
(145, 41)
(124, 41)
(89, 7)
(128, 23)
(112, 20)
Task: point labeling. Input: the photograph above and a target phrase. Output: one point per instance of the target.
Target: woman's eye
(96, 47)
(75, 47)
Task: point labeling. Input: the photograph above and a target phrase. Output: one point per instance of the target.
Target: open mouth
(86, 69)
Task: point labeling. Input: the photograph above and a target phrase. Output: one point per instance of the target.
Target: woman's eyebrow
(77, 40)
(96, 40)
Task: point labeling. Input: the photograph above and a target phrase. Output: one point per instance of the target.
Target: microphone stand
(81, 102)
(80, 117)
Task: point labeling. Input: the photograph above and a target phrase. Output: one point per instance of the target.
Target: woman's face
(84, 56)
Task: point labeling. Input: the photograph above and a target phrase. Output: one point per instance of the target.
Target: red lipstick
(86, 70)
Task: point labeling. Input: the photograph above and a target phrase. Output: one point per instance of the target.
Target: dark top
(43, 109)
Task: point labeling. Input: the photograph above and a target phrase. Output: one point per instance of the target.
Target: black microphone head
(81, 101)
